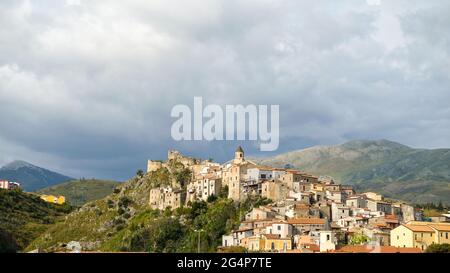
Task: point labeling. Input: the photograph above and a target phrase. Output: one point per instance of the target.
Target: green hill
(23, 217)
(393, 169)
(79, 192)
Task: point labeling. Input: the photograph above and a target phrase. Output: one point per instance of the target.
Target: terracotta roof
(379, 249)
(259, 220)
(243, 230)
(271, 236)
(306, 221)
(392, 221)
(312, 247)
(301, 205)
(419, 228)
(441, 226)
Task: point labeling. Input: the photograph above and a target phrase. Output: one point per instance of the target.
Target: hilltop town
(304, 214)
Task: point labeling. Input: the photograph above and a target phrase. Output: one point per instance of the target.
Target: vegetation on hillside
(433, 210)
(23, 217)
(79, 192)
(124, 221)
(438, 248)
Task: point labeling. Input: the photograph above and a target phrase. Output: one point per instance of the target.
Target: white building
(281, 228)
(327, 240)
(7, 185)
(204, 187)
(339, 211)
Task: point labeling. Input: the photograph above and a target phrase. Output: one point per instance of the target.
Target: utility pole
(198, 246)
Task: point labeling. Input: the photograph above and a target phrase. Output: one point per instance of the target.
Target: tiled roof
(306, 221)
(271, 236)
(419, 228)
(379, 249)
(312, 247)
(441, 227)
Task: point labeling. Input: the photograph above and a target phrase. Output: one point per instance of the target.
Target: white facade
(284, 230)
(339, 211)
(327, 241)
(6, 185)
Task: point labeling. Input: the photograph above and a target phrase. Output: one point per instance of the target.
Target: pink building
(4, 184)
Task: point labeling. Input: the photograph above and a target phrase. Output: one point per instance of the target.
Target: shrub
(438, 248)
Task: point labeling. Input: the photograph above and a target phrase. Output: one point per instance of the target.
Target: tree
(183, 176)
(224, 192)
(233, 249)
(140, 173)
(358, 239)
(211, 198)
(438, 248)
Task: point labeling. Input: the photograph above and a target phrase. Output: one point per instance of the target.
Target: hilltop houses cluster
(8, 185)
(306, 214)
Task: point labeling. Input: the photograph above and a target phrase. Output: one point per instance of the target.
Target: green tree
(211, 198)
(358, 239)
(183, 176)
(223, 192)
(140, 173)
(438, 248)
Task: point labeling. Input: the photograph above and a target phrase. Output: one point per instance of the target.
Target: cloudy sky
(86, 87)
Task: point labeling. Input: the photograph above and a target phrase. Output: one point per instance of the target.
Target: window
(279, 227)
(273, 246)
(328, 237)
(446, 235)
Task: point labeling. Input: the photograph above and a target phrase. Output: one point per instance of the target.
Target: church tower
(239, 155)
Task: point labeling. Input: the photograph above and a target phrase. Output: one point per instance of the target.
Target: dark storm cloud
(87, 86)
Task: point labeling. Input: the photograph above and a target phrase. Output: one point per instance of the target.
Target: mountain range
(392, 169)
(31, 177)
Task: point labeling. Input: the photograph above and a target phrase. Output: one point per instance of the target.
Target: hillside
(124, 221)
(79, 192)
(23, 217)
(31, 177)
(393, 169)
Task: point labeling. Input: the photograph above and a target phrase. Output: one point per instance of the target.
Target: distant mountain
(79, 192)
(31, 177)
(393, 169)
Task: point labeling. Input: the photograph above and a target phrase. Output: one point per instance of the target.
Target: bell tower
(239, 155)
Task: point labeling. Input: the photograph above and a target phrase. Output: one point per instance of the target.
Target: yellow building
(420, 234)
(268, 243)
(54, 199)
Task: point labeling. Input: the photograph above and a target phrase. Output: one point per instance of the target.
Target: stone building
(204, 187)
(164, 197)
(274, 190)
(235, 173)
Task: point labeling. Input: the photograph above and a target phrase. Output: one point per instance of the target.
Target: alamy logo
(237, 122)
